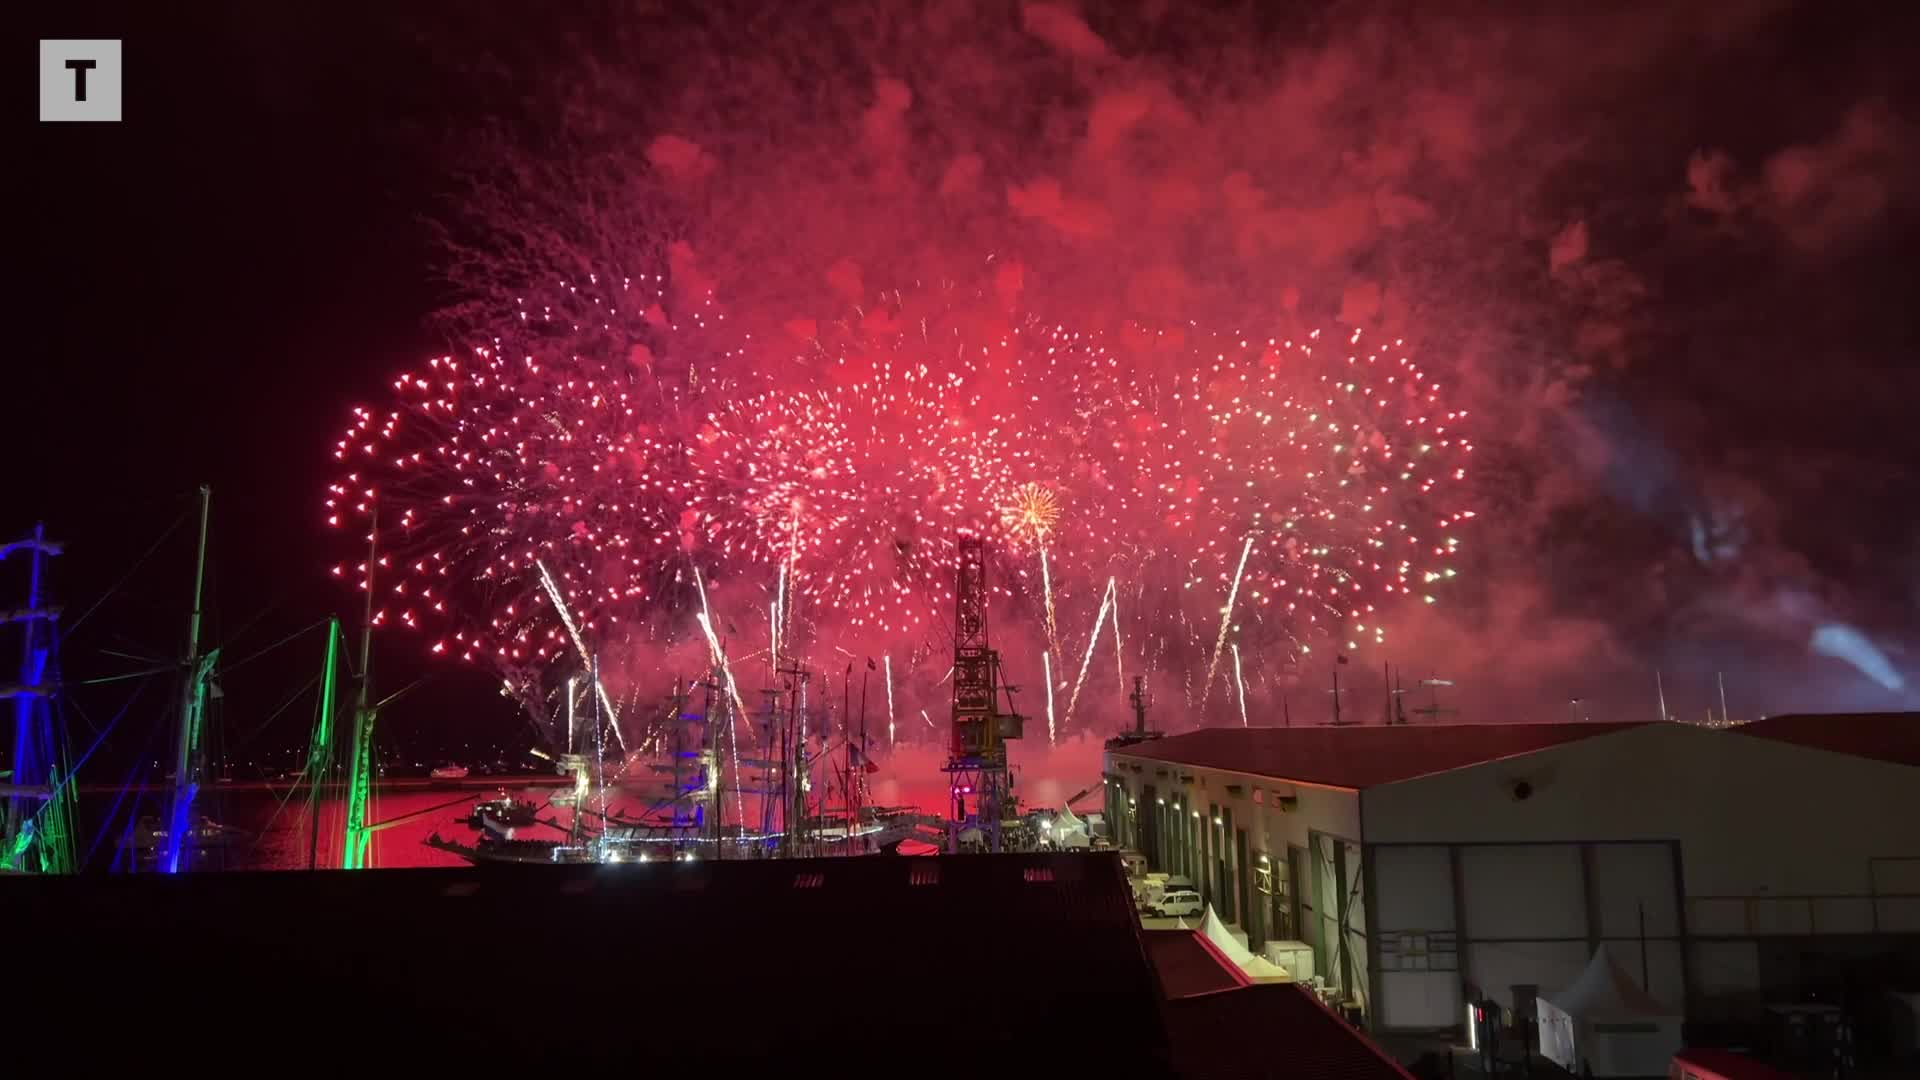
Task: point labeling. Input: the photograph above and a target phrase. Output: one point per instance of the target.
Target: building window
(1419, 950)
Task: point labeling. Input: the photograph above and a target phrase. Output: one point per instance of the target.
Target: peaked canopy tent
(1604, 1024)
(1069, 830)
(1257, 968)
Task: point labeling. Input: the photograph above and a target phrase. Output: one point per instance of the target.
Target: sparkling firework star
(862, 489)
(1031, 512)
(1030, 516)
(1336, 459)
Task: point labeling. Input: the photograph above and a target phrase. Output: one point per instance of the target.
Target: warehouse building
(1429, 866)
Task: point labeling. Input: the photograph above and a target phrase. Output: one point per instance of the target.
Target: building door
(1250, 914)
(1340, 933)
(1148, 818)
(1293, 905)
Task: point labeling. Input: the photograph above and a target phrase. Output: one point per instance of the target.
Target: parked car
(1177, 902)
(1134, 862)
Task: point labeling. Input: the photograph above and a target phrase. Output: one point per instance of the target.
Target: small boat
(504, 811)
(208, 843)
(203, 832)
(491, 849)
(449, 772)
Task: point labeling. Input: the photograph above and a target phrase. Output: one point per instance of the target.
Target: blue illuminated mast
(36, 817)
(193, 700)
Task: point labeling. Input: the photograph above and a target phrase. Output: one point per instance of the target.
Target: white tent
(1604, 1024)
(1069, 831)
(1257, 968)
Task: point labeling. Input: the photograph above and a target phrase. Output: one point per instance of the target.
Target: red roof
(1891, 737)
(1726, 1065)
(1212, 1007)
(1359, 757)
(1188, 964)
(1271, 1029)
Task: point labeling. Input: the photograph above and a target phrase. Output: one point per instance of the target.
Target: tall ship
(709, 779)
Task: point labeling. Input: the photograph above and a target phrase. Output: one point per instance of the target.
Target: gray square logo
(80, 80)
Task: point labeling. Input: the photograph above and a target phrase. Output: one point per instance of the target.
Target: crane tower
(980, 785)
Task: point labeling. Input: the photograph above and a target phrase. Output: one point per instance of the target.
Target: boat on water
(449, 772)
(504, 812)
(880, 830)
(151, 832)
(207, 840)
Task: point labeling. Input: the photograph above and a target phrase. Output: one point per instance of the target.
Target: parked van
(1184, 901)
(1159, 885)
(1134, 863)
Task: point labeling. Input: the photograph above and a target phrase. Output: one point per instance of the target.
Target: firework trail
(1240, 684)
(1226, 620)
(1046, 666)
(580, 646)
(1046, 587)
(1106, 604)
(888, 660)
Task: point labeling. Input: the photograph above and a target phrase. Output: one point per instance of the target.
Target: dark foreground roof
(997, 964)
(1360, 757)
(1271, 1029)
(1891, 737)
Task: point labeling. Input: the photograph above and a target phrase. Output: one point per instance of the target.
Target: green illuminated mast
(354, 851)
(320, 752)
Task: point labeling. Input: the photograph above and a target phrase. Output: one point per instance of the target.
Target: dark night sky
(214, 281)
(218, 277)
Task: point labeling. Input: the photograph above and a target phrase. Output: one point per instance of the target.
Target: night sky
(223, 273)
(1668, 255)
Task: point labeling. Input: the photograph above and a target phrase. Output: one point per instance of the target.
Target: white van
(1183, 901)
(1157, 886)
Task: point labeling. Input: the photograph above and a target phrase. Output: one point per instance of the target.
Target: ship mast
(357, 840)
(320, 752)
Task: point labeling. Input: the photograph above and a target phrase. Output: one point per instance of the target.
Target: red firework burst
(558, 446)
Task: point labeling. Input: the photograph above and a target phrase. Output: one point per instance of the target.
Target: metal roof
(1359, 756)
(1223, 1024)
(1886, 736)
